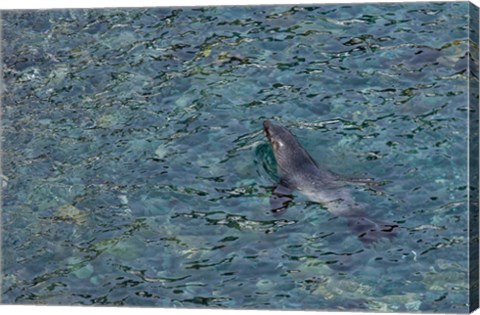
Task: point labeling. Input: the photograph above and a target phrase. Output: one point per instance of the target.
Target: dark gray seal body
(297, 170)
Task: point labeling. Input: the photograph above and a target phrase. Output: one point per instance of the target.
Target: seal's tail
(370, 231)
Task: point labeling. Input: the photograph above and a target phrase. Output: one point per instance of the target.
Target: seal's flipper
(369, 231)
(280, 198)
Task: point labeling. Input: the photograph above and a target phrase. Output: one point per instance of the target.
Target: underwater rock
(440, 281)
(59, 74)
(163, 151)
(109, 121)
(332, 288)
(443, 264)
(408, 301)
(265, 285)
(71, 214)
(413, 306)
(124, 39)
(84, 272)
(313, 268)
(123, 199)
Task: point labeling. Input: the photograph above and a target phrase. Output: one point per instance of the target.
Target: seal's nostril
(265, 129)
(266, 132)
(266, 124)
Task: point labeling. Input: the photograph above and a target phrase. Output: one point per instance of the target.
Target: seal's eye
(275, 145)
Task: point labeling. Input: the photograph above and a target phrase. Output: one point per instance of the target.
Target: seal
(297, 170)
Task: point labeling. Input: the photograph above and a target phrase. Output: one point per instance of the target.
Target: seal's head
(285, 146)
(277, 135)
(292, 159)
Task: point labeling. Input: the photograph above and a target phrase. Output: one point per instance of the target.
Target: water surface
(136, 172)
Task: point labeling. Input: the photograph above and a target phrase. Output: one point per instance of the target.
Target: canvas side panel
(474, 158)
(1, 151)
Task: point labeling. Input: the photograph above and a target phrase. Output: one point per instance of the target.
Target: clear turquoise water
(136, 173)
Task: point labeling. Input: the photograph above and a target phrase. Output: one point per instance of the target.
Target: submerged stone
(84, 272)
(71, 214)
(265, 284)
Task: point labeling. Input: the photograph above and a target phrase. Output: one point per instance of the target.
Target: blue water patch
(135, 170)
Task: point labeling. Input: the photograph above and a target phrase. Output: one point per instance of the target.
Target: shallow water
(136, 172)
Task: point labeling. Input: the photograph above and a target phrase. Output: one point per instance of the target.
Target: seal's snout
(266, 124)
(266, 128)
